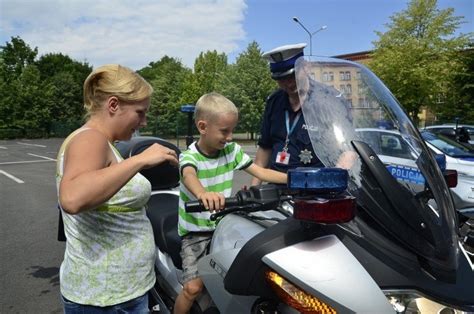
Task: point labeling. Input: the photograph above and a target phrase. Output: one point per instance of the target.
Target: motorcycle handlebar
(197, 206)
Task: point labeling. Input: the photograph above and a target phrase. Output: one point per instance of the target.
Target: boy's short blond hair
(213, 104)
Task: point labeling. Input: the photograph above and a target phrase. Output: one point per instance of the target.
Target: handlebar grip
(194, 206)
(232, 201)
(197, 206)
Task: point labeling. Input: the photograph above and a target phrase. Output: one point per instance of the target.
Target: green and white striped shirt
(215, 174)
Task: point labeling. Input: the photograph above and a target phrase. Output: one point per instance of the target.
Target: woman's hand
(157, 154)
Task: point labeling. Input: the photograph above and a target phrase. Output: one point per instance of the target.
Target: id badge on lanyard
(283, 157)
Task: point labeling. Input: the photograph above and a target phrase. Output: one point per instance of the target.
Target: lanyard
(289, 129)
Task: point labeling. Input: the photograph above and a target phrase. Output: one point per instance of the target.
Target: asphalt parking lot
(30, 254)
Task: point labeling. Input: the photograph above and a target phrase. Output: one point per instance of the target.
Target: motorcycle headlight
(411, 302)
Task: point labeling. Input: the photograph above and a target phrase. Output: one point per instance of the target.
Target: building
(358, 101)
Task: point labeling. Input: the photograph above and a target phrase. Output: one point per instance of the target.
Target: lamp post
(309, 33)
(189, 110)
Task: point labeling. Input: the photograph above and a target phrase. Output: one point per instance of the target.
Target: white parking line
(11, 177)
(23, 162)
(44, 157)
(28, 144)
(3, 147)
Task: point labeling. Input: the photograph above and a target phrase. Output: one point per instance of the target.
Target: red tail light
(329, 211)
(451, 178)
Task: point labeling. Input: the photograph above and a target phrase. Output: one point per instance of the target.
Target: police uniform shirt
(273, 134)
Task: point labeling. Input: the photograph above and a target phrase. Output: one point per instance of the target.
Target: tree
(27, 103)
(209, 68)
(167, 76)
(419, 54)
(25, 98)
(66, 77)
(15, 56)
(248, 84)
(460, 95)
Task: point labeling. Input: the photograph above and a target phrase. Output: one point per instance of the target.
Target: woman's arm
(92, 175)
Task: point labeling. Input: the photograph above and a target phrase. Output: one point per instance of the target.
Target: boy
(207, 169)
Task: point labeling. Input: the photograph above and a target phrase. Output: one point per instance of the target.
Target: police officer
(284, 141)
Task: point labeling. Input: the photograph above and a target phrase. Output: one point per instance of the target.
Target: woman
(109, 257)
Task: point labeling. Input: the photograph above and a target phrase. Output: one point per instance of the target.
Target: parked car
(458, 157)
(390, 142)
(462, 133)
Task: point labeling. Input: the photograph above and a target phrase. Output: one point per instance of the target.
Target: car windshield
(447, 145)
(387, 143)
(354, 122)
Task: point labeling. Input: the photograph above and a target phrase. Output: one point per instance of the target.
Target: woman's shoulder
(86, 139)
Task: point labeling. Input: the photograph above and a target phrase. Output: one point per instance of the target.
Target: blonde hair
(213, 104)
(114, 80)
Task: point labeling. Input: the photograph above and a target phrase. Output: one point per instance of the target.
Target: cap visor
(282, 75)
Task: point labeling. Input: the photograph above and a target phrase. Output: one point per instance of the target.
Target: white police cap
(282, 59)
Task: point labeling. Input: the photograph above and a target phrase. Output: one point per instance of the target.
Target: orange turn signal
(295, 297)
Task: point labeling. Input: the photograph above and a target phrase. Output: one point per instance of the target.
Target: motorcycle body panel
(233, 231)
(326, 269)
(212, 269)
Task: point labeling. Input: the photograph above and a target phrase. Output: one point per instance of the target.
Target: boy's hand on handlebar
(212, 201)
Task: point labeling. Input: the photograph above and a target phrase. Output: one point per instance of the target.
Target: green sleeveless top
(110, 250)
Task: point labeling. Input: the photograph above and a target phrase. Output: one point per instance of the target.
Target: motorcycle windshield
(354, 122)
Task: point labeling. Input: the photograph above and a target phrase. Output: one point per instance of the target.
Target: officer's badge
(305, 156)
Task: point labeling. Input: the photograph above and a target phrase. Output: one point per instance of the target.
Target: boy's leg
(185, 299)
(193, 247)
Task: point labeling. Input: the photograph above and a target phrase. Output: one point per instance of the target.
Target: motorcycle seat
(162, 211)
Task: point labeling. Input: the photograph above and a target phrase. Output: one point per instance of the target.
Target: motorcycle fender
(326, 269)
(212, 270)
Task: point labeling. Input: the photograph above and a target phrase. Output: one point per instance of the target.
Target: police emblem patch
(305, 156)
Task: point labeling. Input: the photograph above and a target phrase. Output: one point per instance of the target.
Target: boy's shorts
(193, 246)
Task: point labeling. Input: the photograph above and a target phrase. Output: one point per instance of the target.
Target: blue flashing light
(441, 161)
(187, 108)
(318, 179)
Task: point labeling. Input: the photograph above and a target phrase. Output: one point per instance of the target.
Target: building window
(348, 89)
(347, 76)
(358, 77)
(325, 77)
(341, 76)
(363, 103)
(331, 76)
(342, 89)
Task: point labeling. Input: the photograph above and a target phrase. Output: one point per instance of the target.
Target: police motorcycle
(382, 236)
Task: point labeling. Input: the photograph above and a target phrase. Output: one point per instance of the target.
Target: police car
(398, 156)
(451, 130)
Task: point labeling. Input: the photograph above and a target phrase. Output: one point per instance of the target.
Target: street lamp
(189, 109)
(309, 33)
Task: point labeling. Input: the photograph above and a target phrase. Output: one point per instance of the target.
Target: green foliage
(418, 56)
(459, 99)
(65, 77)
(36, 93)
(15, 56)
(168, 77)
(209, 69)
(248, 84)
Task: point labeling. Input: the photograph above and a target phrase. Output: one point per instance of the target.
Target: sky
(135, 33)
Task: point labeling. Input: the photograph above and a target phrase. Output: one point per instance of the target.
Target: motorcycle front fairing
(405, 212)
